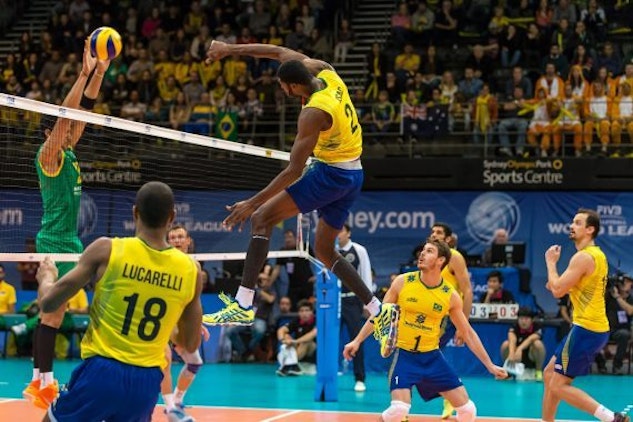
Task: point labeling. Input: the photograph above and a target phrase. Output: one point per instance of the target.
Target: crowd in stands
(519, 75)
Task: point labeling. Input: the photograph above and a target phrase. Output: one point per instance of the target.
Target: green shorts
(53, 244)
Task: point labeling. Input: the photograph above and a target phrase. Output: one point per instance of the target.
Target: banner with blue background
(389, 224)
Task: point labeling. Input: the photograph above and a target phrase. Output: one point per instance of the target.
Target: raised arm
(219, 50)
(580, 264)
(57, 138)
(90, 93)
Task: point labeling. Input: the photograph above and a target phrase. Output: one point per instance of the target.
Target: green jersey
(61, 195)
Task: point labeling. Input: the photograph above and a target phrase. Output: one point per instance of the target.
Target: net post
(328, 318)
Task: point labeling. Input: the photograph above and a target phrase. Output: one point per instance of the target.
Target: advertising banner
(389, 224)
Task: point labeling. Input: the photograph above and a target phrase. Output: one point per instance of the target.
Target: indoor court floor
(252, 392)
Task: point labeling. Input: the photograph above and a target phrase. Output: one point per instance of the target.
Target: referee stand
(328, 319)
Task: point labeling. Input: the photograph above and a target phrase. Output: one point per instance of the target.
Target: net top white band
(70, 257)
(138, 127)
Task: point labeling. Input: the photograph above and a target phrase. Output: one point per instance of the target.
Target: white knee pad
(192, 358)
(467, 412)
(396, 412)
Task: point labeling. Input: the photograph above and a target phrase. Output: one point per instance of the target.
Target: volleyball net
(117, 156)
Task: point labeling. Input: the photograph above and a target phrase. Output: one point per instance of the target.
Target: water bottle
(345, 366)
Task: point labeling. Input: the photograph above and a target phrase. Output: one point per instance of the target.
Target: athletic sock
(169, 401)
(245, 297)
(36, 374)
(351, 279)
(47, 378)
(604, 414)
(373, 306)
(179, 395)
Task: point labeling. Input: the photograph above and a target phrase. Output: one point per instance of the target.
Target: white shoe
(359, 387)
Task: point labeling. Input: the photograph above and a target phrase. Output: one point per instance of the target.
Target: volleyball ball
(105, 43)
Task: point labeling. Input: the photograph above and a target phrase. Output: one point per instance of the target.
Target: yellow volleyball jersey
(421, 311)
(137, 303)
(449, 277)
(587, 297)
(343, 141)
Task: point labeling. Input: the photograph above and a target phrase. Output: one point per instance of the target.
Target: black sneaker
(283, 371)
(294, 370)
(621, 417)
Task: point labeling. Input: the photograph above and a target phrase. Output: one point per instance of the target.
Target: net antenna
(206, 172)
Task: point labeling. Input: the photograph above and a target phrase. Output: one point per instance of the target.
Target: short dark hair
(294, 72)
(305, 303)
(447, 229)
(443, 250)
(347, 228)
(497, 274)
(155, 203)
(593, 220)
(178, 227)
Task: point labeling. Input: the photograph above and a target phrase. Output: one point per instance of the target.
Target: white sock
(36, 374)
(245, 297)
(604, 414)
(169, 401)
(292, 358)
(46, 378)
(373, 306)
(179, 395)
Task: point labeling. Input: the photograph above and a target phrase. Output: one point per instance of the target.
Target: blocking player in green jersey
(60, 185)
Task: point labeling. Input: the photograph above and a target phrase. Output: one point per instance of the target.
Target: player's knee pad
(467, 412)
(193, 358)
(193, 367)
(396, 412)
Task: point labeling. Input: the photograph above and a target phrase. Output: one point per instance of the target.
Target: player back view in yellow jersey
(145, 289)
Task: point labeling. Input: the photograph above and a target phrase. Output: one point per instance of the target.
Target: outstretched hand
(217, 51)
(498, 372)
(88, 62)
(240, 212)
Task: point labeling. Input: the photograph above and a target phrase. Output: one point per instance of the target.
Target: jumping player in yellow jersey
(456, 274)
(60, 185)
(328, 127)
(585, 280)
(145, 288)
(425, 299)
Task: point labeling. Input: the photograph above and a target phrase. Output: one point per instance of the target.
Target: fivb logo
(612, 222)
(611, 214)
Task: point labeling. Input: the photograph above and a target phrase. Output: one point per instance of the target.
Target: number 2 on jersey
(148, 316)
(350, 113)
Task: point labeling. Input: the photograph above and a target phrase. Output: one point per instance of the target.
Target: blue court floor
(257, 386)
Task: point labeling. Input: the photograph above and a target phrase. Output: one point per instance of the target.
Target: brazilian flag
(226, 125)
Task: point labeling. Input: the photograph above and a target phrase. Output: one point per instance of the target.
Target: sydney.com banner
(389, 224)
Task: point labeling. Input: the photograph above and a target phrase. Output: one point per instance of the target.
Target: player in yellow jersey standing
(585, 280)
(456, 274)
(328, 127)
(59, 179)
(145, 289)
(425, 298)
